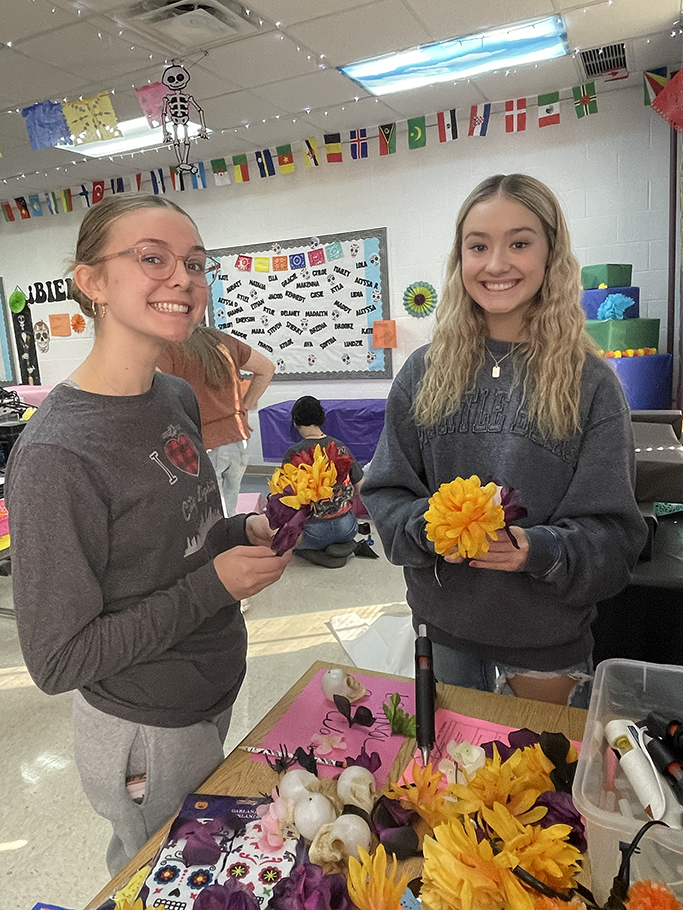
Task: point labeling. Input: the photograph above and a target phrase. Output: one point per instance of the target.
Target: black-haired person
(126, 576)
(329, 537)
(511, 388)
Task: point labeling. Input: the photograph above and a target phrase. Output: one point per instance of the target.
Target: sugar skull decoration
(175, 112)
(311, 360)
(374, 259)
(346, 359)
(280, 364)
(376, 295)
(41, 333)
(354, 248)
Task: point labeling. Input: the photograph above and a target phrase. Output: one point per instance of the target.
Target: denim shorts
(461, 668)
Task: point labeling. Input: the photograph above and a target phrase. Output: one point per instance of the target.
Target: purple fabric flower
(201, 847)
(370, 761)
(289, 522)
(511, 501)
(519, 739)
(562, 811)
(307, 888)
(229, 896)
(393, 825)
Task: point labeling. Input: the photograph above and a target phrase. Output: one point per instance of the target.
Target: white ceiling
(282, 69)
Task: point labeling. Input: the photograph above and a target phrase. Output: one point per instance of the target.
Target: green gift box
(621, 334)
(613, 275)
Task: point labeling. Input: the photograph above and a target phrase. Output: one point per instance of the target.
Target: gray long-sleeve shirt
(115, 517)
(584, 528)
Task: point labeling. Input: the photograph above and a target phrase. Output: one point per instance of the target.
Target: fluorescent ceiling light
(137, 134)
(458, 58)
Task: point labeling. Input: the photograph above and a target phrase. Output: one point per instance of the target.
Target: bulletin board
(8, 374)
(308, 304)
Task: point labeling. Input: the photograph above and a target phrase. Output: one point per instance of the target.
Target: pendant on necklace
(495, 371)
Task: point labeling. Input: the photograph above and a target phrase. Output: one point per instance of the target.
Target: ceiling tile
(26, 80)
(435, 98)
(449, 19)
(649, 53)
(561, 73)
(593, 26)
(326, 87)
(290, 11)
(18, 21)
(366, 113)
(229, 111)
(362, 32)
(269, 135)
(79, 49)
(258, 60)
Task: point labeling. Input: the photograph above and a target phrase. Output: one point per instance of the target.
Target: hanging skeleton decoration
(175, 112)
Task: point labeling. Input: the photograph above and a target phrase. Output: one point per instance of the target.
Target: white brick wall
(610, 172)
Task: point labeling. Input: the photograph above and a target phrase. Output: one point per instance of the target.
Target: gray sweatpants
(176, 760)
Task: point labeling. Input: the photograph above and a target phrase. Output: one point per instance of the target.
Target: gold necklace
(495, 369)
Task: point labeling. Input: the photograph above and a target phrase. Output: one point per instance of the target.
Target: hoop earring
(102, 308)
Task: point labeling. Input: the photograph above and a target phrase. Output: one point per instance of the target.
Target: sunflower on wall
(420, 299)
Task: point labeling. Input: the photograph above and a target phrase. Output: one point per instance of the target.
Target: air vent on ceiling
(189, 24)
(599, 60)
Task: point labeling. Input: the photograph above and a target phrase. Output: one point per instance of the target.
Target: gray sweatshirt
(584, 528)
(115, 520)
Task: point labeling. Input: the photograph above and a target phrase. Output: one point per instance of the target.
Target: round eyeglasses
(160, 263)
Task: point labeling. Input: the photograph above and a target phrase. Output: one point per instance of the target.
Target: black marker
(424, 694)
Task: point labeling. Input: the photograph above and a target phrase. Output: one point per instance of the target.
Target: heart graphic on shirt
(183, 454)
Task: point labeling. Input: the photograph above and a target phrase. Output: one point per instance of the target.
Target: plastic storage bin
(625, 689)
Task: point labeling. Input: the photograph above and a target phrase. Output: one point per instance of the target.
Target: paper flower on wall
(614, 306)
(420, 299)
(78, 323)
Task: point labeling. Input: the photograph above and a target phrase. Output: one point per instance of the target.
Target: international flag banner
(334, 250)
(117, 185)
(135, 182)
(66, 200)
(264, 160)
(615, 75)
(8, 211)
(515, 116)
(84, 195)
(333, 147)
(35, 206)
(97, 191)
(176, 180)
(447, 125)
(316, 257)
(653, 82)
(221, 177)
(199, 179)
(387, 139)
(280, 264)
(309, 147)
(358, 140)
(479, 119)
(261, 263)
(285, 159)
(243, 263)
(51, 203)
(158, 182)
(417, 133)
(669, 102)
(585, 100)
(20, 203)
(549, 109)
(241, 166)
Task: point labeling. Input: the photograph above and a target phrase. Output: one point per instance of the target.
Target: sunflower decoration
(420, 299)
(296, 488)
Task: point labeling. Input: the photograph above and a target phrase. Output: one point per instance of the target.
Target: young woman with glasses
(127, 577)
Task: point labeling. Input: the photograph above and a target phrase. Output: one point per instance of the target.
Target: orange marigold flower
(463, 516)
(434, 805)
(308, 482)
(648, 895)
(370, 887)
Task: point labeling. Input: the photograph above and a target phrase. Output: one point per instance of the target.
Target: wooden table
(240, 775)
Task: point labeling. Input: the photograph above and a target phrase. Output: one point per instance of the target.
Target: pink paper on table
(312, 714)
(451, 726)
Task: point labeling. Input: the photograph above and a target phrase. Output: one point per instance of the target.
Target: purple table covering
(646, 380)
(355, 422)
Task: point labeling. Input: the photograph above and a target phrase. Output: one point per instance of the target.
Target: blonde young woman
(511, 389)
(127, 578)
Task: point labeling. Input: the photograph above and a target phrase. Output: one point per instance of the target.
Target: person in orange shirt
(211, 361)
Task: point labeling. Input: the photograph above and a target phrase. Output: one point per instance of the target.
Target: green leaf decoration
(400, 721)
(17, 301)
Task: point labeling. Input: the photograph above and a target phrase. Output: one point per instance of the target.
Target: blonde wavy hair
(556, 347)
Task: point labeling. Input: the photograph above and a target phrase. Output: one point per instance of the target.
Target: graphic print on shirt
(181, 451)
(197, 508)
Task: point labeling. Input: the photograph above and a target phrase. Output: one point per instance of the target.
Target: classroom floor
(52, 844)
